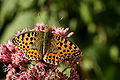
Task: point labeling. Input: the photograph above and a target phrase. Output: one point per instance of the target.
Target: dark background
(96, 24)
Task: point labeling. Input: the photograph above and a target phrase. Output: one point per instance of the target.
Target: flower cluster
(27, 70)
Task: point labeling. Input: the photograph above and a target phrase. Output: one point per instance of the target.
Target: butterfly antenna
(58, 21)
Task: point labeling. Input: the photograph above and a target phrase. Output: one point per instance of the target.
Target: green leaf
(62, 66)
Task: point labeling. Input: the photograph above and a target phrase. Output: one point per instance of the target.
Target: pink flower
(29, 71)
(62, 31)
(10, 73)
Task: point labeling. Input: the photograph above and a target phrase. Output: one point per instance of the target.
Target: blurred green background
(96, 24)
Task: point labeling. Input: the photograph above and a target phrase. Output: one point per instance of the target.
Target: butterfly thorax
(47, 40)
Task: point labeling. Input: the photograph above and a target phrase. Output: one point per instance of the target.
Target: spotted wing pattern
(66, 48)
(30, 43)
(55, 48)
(60, 49)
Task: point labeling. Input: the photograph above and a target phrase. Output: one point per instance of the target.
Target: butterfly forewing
(28, 43)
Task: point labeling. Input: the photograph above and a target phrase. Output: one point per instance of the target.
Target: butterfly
(51, 47)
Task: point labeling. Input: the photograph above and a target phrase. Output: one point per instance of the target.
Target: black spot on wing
(31, 43)
(23, 46)
(61, 53)
(70, 48)
(54, 52)
(59, 48)
(35, 53)
(56, 57)
(61, 38)
(26, 43)
(64, 50)
(32, 33)
(75, 47)
(28, 35)
(65, 41)
(71, 43)
(23, 35)
(61, 44)
(49, 56)
(65, 46)
(31, 38)
(26, 38)
(65, 54)
(53, 56)
(58, 38)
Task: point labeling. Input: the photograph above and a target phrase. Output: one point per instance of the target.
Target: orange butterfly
(52, 47)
